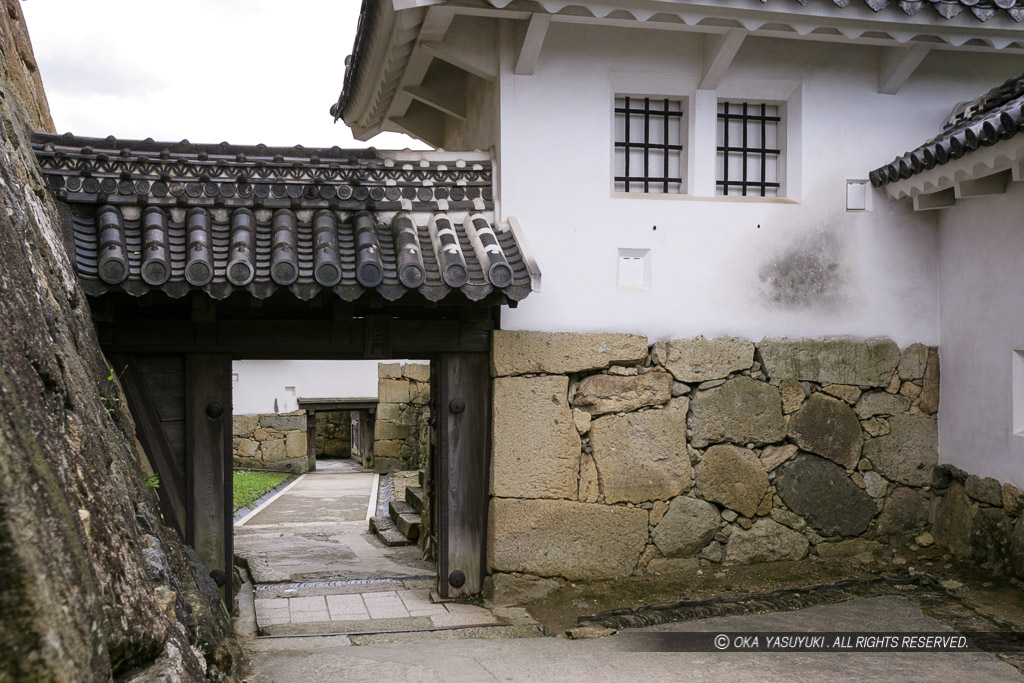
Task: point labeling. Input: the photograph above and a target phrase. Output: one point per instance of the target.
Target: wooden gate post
(208, 462)
(463, 466)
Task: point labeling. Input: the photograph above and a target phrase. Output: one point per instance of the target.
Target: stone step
(397, 507)
(387, 532)
(409, 524)
(414, 497)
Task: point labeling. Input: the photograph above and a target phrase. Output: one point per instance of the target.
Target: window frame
(776, 153)
(681, 150)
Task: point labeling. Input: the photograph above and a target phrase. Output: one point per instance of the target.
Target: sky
(241, 71)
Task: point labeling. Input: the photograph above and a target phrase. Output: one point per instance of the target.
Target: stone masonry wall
(273, 442)
(613, 458)
(333, 434)
(401, 433)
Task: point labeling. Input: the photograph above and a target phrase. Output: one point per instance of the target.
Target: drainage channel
(426, 629)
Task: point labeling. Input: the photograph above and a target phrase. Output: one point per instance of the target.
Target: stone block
(383, 430)
(295, 445)
(828, 427)
(928, 401)
(1013, 501)
(741, 410)
(516, 352)
(387, 449)
(874, 484)
(793, 395)
(582, 419)
(881, 403)
(419, 393)
(246, 448)
(686, 528)
(700, 359)
(244, 425)
(590, 486)
(290, 422)
(642, 456)
(908, 453)
(393, 391)
(417, 371)
(773, 456)
(913, 361)
(985, 490)
(844, 392)
(823, 494)
(765, 541)
(389, 411)
(389, 370)
(336, 448)
(954, 519)
(733, 477)
(293, 466)
(905, 511)
(504, 590)
(536, 448)
(1016, 552)
(578, 541)
(599, 394)
(273, 450)
(838, 360)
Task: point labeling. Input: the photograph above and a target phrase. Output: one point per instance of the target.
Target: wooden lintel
(533, 41)
(897, 64)
(718, 52)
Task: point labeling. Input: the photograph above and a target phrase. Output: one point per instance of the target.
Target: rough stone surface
(642, 456)
(577, 541)
(793, 395)
(908, 453)
(881, 403)
(954, 519)
(700, 359)
(582, 419)
(285, 423)
(419, 372)
(599, 394)
(765, 541)
(81, 550)
(243, 425)
(503, 590)
(792, 520)
(515, 352)
(849, 548)
(875, 484)
(844, 392)
(1017, 549)
(536, 448)
(828, 427)
(913, 361)
(741, 411)
(928, 401)
(984, 489)
(773, 456)
(824, 495)
(590, 485)
(1013, 501)
(732, 476)
(688, 526)
(905, 510)
(835, 361)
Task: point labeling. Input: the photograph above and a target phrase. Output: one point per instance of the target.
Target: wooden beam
(897, 64)
(448, 98)
(533, 40)
(718, 51)
(436, 24)
(473, 48)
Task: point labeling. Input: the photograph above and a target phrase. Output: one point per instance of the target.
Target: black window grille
(748, 149)
(648, 145)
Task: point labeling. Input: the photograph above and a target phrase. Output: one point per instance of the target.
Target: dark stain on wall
(808, 273)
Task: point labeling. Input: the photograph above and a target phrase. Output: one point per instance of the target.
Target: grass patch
(249, 486)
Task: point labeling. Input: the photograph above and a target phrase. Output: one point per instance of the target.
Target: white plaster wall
(262, 381)
(981, 247)
(714, 261)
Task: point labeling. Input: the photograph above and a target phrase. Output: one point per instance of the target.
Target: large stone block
(389, 370)
(246, 448)
(383, 429)
(562, 538)
(881, 403)
(642, 456)
(536, 451)
(1017, 548)
(928, 402)
(913, 361)
(740, 411)
(828, 427)
(393, 391)
(244, 425)
(700, 359)
(417, 371)
(502, 590)
(688, 526)
(765, 541)
(908, 453)
(295, 445)
(840, 360)
(823, 494)
(516, 352)
(905, 510)
(285, 423)
(732, 476)
(599, 394)
(273, 450)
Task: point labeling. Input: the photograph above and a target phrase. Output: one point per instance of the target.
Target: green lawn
(249, 486)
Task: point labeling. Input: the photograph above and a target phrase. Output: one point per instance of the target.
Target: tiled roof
(996, 115)
(982, 9)
(179, 217)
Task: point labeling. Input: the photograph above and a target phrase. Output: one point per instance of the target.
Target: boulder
(840, 360)
(905, 510)
(954, 519)
(536, 448)
(984, 489)
(578, 541)
(273, 450)
(517, 352)
(765, 541)
(908, 453)
(686, 528)
(741, 411)
(295, 445)
(881, 403)
(642, 456)
(913, 361)
(828, 427)
(700, 359)
(599, 394)
(732, 476)
(823, 494)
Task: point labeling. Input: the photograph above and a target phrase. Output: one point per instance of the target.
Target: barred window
(649, 145)
(747, 163)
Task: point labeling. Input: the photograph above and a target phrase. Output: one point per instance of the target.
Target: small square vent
(634, 269)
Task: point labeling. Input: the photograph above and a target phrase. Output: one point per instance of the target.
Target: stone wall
(613, 458)
(401, 434)
(333, 433)
(93, 583)
(273, 442)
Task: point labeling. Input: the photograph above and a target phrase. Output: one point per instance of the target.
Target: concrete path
(615, 659)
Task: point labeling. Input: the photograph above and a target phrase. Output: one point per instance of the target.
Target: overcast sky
(244, 71)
